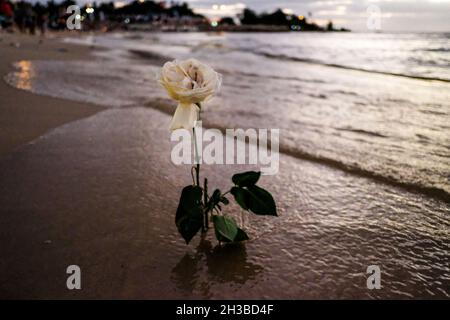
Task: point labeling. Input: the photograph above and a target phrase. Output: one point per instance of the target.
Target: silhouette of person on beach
(30, 20)
(6, 14)
(41, 20)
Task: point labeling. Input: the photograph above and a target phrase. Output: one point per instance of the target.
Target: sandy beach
(23, 116)
(93, 186)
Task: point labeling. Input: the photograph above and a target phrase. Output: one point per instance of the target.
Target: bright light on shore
(217, 11)
(119, 4)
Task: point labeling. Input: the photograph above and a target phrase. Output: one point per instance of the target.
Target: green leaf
(216, 194)
(224, 200)
(189, 217)
(240, 236)
(241, 196)
(255, 199)
(246, 179)
(225, 228)
(214, 200)
(261, 201)
(221, 238)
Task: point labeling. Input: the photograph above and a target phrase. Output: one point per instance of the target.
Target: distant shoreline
(225, 28)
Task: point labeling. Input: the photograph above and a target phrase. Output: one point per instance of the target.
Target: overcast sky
(396, 15)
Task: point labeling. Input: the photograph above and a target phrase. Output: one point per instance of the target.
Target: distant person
(19, 17)
(6, 14)
(30, 20)
(42, 22)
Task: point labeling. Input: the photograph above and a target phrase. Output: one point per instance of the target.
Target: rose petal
(185, 116)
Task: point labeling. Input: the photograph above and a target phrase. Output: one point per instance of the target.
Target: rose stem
(205, 197)
(197, 170)
(197, 160)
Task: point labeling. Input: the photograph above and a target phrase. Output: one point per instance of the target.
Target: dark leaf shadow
(222, 264)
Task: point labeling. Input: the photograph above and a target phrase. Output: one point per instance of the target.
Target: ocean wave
(165, 106)
(354, 168)
(437, 49)
(269, 76)
(365, 132)
(156, 58)
(94, 81)
(347, 67)
(149, 55)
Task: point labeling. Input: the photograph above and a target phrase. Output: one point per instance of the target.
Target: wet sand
(24, 116)
(101, 193)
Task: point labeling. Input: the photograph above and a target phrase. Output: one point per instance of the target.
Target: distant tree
(67, 3)
(227, 20)
(330, 26)
(106, 7)
(141, 8)
(249, 17)
(181, 10)
(278, 18)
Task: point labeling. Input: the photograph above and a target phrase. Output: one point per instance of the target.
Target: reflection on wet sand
(223, 264)
(24, 74)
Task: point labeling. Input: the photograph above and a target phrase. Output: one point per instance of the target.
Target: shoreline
(25, 116)
(429, 191)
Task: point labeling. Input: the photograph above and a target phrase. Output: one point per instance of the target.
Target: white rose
(189, 82)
